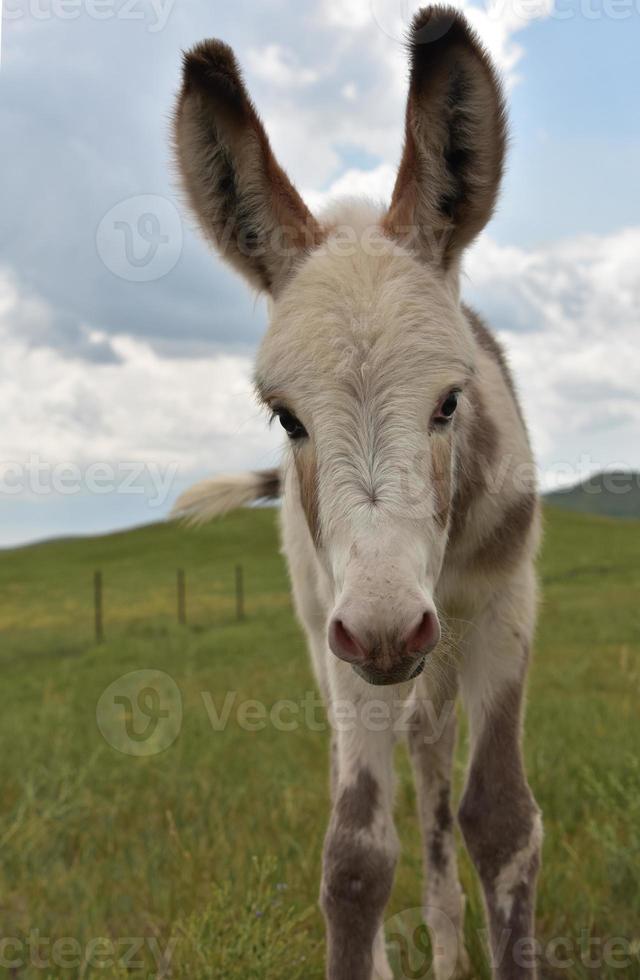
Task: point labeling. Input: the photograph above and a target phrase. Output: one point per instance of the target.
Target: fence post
(98, 608)
(182, 598)
(239, 592)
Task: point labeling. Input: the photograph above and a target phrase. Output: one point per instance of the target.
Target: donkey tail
(212, 498)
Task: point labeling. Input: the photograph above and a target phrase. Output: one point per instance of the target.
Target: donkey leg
(499, 818)
(432, 739)
(361, 846)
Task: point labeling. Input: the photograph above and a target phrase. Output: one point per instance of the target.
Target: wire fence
(182, 599)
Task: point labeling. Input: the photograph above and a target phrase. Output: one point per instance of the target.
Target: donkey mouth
(398, 675)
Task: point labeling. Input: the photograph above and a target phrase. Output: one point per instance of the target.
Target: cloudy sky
(127, 347)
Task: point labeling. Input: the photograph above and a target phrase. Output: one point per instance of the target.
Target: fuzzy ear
(455, 139)
(244, 202)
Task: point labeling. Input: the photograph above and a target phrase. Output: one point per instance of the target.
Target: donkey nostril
(425, 635)
(344, 644)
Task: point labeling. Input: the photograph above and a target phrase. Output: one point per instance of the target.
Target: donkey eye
(291, 425)
(446, 409)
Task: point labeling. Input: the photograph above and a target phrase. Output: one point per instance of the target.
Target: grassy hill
(614, 494)
(209, 850)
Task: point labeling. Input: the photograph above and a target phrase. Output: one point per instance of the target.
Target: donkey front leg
(499, 818)
(361, 846)
(432, 740)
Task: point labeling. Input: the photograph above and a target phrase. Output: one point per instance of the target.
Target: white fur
(363, 345)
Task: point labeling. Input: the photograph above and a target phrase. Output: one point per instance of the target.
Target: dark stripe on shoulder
(503, 545)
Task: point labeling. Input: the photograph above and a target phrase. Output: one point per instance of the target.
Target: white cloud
(376, 184)
(278, 66)
(197, 414)
(568, 315)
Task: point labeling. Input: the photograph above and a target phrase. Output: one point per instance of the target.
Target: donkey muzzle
(384, 656)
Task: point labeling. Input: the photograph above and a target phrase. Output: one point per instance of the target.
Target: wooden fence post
(98, 607)
(182, 598)
(239, 592)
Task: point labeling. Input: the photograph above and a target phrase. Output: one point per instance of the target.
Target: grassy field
(203, 860)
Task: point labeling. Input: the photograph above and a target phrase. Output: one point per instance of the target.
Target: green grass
(211, 848)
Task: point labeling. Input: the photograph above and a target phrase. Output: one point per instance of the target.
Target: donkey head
(368, 361)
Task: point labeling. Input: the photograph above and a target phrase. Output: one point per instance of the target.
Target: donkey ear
(245, 203)
(455, 139)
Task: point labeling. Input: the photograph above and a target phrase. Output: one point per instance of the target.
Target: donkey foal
(407, 485)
